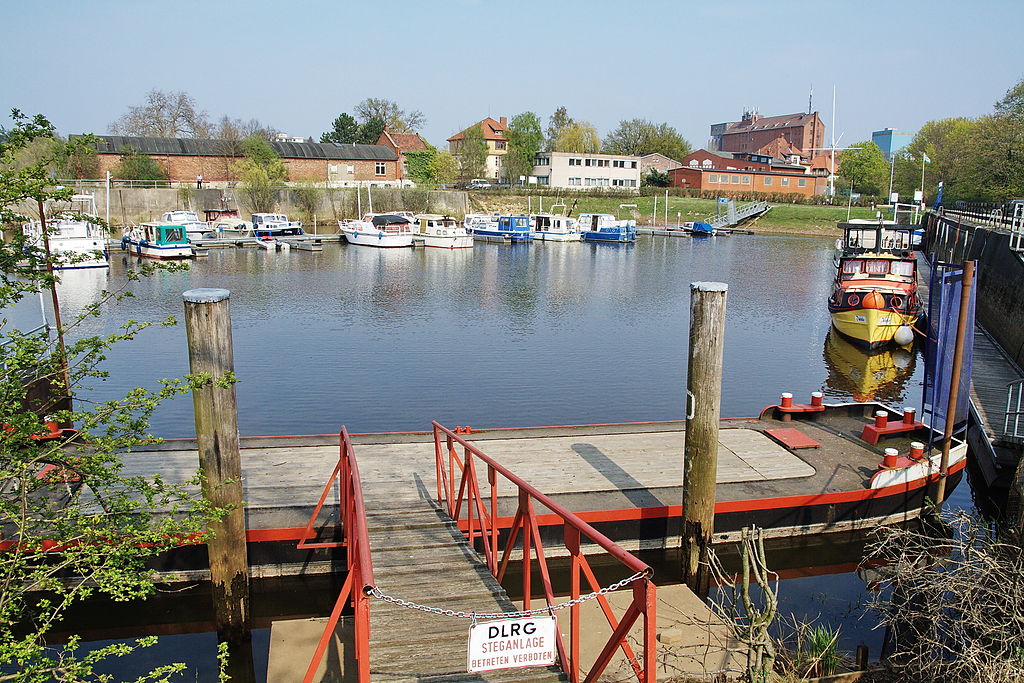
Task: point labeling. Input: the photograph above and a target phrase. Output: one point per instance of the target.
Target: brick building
(400, 143)
(770, 134)
(731, 172)
(184, 159)
(657, 162)
(497, 145)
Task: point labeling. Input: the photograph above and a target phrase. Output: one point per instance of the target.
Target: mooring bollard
(208, 325)
(881, 419)
(704, 384)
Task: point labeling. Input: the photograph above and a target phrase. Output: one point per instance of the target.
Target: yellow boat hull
(871, 326)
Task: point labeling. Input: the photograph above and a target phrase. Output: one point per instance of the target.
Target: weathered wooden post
(208, 324)
(700, 465)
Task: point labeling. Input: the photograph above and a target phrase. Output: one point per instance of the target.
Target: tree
(525, 139)
(344, 130)
(393, 116)
(262, 173)
(370, 131)
(444, 168)
(308, 196)
(419, 163)
(656, 178)
(134, 165)
(61, 158)
(580, 137)
(638, 137)
(229, 139)
(73, 523)
(164, 115)
(556, 124)
(864, 167)
(1012, 104)
(472, 153)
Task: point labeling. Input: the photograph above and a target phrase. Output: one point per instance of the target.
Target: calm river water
(384, 340)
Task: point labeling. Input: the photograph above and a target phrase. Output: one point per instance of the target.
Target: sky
(297, 65)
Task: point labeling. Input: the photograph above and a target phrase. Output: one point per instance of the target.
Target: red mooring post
(700, 466)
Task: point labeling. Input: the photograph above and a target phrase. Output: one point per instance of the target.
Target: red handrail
(479, 523)
(360, 567)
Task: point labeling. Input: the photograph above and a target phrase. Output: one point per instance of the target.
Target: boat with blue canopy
(604, 227)
(504, 229)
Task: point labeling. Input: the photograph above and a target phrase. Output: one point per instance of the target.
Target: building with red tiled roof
(402, 143)
(756, 133)
(494, 136)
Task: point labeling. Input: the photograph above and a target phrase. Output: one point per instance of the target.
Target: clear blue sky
(298, 65)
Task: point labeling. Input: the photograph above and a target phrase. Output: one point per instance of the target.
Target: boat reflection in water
(879, 375)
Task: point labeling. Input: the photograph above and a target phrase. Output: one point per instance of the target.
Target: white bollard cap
(881, 413)
(786, 394)
(817, 394)
(205, 295)
(891, 451)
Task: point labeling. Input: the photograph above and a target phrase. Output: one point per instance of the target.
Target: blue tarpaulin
(943, 314)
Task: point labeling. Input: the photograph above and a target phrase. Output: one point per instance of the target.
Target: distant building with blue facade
(891, 141)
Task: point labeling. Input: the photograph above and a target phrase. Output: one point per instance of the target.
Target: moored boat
(275, 225)
(194, 228)
(504, 229)
(442, 232)
(550, 227)
(378, 230)
(604, 227)
(75, 240)
(874, 300)
(157, 240)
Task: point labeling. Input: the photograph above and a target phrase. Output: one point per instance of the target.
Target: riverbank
(783, 219)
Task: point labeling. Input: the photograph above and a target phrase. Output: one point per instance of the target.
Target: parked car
(478, 184)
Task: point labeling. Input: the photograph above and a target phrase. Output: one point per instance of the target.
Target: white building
(575, 171)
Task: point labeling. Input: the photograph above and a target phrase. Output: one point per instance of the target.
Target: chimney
(503, 121)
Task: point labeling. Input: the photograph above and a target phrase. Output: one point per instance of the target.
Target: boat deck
(586, 468)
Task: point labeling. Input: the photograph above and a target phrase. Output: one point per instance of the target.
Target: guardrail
(994, 217)
(1014, 412)
(460, 494)
(356, 541)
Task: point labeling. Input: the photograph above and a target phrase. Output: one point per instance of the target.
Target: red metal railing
(356, 542)
(478, 518)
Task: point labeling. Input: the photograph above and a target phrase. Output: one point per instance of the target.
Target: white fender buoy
(904, 335)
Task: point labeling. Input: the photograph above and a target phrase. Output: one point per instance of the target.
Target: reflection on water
(879, 375)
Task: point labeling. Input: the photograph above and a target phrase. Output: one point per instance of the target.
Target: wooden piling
(208, 324)
(704, 392)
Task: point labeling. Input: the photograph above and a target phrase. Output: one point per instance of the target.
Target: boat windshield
(904, 270)
(174, 233)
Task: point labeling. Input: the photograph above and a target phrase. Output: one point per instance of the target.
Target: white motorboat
(272, 243)
(231, 227)
(478, 220)
(274, 225)
(157, 240)
(555, 228)
(378, 230)
(194, 228)
(442, 232)
(75, 241)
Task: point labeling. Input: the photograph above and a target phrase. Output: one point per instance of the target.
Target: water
(385, 340)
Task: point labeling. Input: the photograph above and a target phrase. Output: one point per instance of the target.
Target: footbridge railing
(1008, 217)
(359, 581)
(735, 213)
(460, 493)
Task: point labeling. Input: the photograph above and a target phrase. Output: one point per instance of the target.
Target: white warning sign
(511, 643)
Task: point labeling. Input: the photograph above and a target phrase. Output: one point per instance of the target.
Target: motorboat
(157, 240)
(874, 300)
(378, 230)
(275, 225)
(472, 220)
(75, 239)
(504, 229)
(271, 243)
(231, 226)
(701, 229)
(194, 228)
(605, 227)
(550, 227)
(442, 232)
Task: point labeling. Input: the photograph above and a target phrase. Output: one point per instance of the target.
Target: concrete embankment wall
(999, 279)
(134, 205)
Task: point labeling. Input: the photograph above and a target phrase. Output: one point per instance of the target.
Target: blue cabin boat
(700, 229)
(504, 229)
(604, 227)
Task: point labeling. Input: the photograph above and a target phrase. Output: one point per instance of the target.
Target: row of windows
(380, 168)
(596, 163)
(602, 182)
(726, 179)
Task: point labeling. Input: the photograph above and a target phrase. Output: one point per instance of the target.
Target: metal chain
(377, 593)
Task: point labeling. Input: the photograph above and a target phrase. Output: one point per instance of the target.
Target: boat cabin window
(173, 234)
(852, 267)
(876, 267)
(901, 269)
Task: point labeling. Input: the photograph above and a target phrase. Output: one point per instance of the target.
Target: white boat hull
(448, 241)
(160, 251)
(545, 236)
(377, 238)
